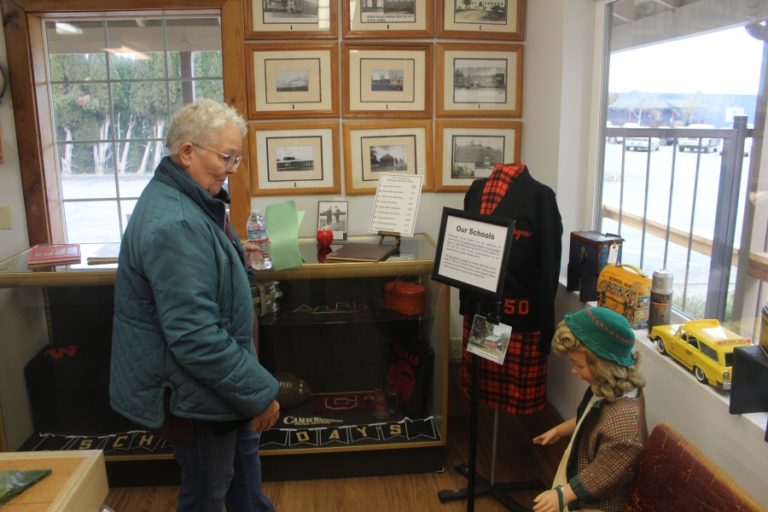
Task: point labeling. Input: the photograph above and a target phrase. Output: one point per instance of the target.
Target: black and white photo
(468, 149)
(474, 157)
(333, 215)
(479, 81)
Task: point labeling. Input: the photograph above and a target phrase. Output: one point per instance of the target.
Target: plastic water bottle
(257, 234)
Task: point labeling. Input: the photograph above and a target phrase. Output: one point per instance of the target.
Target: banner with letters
(303, 432)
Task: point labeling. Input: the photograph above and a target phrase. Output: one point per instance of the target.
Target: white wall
(14, 240)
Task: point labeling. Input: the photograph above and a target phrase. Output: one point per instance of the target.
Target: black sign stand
(466, 225)
(478, 485)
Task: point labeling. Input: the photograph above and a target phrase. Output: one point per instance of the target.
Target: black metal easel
(477, 485)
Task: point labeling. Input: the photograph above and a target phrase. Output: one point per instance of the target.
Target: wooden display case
(329, 328)
(77, 483)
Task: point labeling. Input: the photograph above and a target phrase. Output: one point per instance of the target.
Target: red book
(53, 254)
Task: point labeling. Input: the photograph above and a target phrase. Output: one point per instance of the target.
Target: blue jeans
(221, 469)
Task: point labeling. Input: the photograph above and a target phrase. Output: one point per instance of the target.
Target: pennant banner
(310, 432)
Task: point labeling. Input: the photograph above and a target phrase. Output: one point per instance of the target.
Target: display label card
(472, 250)
(396, 204)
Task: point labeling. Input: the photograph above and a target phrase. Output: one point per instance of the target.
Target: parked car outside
(640, 143)
(692, 143)
(703, 346)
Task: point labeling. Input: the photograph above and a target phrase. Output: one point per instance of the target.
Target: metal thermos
(661, 298)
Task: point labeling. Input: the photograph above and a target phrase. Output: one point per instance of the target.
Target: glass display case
(360, 350)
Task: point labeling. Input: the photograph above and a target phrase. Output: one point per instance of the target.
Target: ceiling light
(127, 53)
(67, 29)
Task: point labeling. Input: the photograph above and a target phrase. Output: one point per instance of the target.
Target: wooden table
(78, 482)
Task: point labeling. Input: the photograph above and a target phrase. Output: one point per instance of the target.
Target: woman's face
(580, 366)
(211, 165)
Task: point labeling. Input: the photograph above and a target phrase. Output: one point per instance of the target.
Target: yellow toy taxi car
(703, 346)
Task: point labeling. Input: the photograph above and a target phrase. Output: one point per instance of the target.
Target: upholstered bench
(674, 475)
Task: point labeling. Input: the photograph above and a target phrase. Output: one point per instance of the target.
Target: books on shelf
(105, 254)
(362, 252)
(53, 254)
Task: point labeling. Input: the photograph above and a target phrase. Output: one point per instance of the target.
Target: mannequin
(530, 285)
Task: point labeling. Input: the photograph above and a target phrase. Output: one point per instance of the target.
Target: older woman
(183, 358)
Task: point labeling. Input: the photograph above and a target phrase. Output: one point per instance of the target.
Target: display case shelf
(343, 355)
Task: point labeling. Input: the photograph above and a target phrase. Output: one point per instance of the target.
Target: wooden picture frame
(360, 21)
(292, 80)
(262, 22)
(466, 150)
(479, 80)
(373, 147)
(505, 20)
(295, 158)
(334, 215)
(387, 80)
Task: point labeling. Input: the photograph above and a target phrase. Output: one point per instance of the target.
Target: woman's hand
(265, 420)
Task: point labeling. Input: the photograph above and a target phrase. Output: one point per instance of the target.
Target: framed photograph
(295, 158)
(290, 19)
(333, 215)
(472, 250)
(387, 18)
(467, 149)
(500, 19)
(372, 148)
(292, 80)
(479, 80)
(388, 80)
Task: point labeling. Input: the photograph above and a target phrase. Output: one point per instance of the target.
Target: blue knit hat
(605, 333)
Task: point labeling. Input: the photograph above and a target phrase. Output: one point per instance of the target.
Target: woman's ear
(185, 154)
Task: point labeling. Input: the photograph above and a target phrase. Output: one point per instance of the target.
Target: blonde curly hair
(612, 380)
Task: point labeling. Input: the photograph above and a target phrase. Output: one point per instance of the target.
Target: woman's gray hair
(611, 379)
(201, 122)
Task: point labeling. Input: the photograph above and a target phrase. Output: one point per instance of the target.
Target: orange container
(404, 297)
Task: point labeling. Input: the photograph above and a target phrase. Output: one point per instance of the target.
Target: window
(678, 195)
(114, 83)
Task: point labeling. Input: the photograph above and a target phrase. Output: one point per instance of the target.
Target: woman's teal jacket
(183, 311)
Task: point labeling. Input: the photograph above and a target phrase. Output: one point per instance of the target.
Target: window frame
(24, 37)
(751, 269)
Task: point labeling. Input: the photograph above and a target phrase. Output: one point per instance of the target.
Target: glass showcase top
(98, 263)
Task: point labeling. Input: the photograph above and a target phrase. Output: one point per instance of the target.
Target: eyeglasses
(230, 161)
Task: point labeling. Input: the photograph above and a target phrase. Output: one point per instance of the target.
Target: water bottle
(257, 234)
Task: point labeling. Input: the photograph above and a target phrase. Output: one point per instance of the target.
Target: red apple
(324, 237)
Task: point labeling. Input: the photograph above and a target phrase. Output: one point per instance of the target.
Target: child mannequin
(609, 430)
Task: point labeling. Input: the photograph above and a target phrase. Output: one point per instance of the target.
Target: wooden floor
(517, 459)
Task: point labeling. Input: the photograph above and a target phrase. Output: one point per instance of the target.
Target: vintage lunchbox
(626, 290)
(404, 297)
(590, 252)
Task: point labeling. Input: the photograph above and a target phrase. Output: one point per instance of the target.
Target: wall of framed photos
(341, 91)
